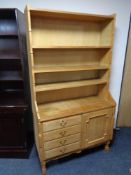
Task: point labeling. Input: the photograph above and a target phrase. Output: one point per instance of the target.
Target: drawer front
(62, 150)
(61, 123)
(62, 133)
(62, 142)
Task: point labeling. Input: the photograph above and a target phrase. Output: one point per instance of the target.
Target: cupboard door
(97, 127)
(12, 132)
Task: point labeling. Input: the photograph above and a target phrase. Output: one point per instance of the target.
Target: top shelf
(71, 47)
(70, 15)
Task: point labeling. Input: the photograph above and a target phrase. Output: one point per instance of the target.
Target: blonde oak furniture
(69, 61)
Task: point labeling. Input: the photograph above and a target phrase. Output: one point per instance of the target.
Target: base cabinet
(75, 133)
(97, 127)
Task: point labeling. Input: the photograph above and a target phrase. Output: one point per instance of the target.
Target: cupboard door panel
(12, 132)
(97, 127)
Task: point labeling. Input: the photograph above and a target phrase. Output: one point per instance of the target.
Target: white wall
(122, 9)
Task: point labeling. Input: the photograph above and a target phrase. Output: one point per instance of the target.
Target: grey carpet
(89, 162)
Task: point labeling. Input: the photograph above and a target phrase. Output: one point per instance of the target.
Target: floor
(90, 162)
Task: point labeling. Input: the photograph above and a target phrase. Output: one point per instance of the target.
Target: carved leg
(44, 168)
(107, 146)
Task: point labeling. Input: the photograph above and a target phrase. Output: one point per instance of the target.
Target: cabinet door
(12, 132)
(97, 127)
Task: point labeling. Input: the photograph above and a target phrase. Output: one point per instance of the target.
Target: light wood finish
(69, 60)
(73, 33)
(55, 77)
(60, 109)
(69, 68)
(69, 15)
(65, 85)
(124, 114)
(69, 47)
(107, 146)
(71, 57)
(97, 127)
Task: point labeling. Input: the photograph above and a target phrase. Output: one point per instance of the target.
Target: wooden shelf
(65, 108)
(69, 68)
(71, 47)
(65, 85)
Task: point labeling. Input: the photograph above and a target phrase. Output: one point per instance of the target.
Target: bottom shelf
(61, 109)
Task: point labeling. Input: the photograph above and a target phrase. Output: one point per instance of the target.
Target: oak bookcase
(69, 61)
(15, 108)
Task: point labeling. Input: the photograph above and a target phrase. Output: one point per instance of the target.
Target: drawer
(62, 142)
(61, 123)
(62, 133)
(62, 150)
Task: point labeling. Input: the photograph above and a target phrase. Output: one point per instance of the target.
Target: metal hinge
(22, 120)
(25, 144)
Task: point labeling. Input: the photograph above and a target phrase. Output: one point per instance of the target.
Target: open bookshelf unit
(15, 108)
(69, 63)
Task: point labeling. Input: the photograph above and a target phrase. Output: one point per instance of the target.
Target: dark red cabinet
(15, 106)
(12, 130)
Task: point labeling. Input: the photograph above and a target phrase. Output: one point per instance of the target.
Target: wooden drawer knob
(62, 142)
(62, 150)
(63, 123)
(63, 133)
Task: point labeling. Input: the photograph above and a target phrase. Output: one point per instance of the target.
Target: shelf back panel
(8, 27)
(44, 78)
(57, 32)
(10, 64)
(66, 94)
(9, 47)
(15, 98)
(11, 85)
(71, 57)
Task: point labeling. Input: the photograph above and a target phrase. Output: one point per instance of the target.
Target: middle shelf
(70, 68)
(65, 85)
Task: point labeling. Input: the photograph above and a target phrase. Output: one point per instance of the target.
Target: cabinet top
(69, 15)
